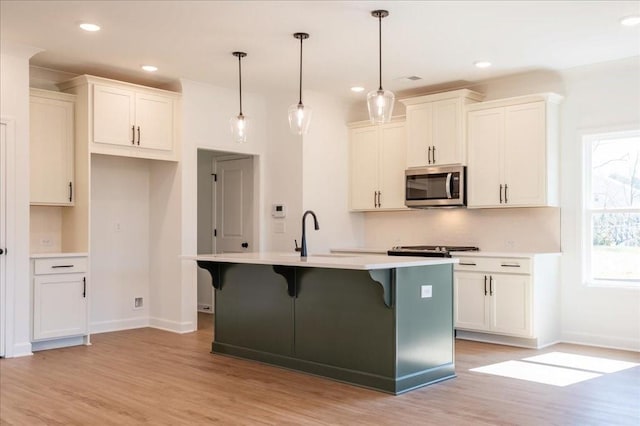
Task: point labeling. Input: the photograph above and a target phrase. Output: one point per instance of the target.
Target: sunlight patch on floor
(538, 373)
(582, 362)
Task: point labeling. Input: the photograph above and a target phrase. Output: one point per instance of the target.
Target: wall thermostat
(278, 210)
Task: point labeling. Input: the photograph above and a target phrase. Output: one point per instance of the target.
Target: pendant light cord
(380, 48)
(300, 91)
(240, 80)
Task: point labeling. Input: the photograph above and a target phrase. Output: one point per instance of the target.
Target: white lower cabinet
(60, 293)
(507, 299)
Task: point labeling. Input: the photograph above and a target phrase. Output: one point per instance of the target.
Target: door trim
(7, 261)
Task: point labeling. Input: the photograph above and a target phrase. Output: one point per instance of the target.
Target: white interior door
(234, 206)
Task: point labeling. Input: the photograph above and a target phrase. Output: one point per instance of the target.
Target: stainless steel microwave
(435, 186)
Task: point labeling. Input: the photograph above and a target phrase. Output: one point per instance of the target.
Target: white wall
(326, 176)
(283, 174)
(599, 98)
(119, 242)
(14, 105)
(205, 223)
(206, 111)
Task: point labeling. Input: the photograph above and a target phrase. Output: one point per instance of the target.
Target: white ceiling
(435, 40)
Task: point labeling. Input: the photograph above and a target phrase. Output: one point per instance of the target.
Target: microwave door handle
(448, 185)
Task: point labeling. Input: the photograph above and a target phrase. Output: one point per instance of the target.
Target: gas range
(428, 251)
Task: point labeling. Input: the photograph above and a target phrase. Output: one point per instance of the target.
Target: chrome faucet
(303, 250)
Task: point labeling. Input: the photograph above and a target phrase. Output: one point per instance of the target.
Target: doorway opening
(227, 211)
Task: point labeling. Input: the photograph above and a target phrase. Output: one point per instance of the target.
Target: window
(612, 209)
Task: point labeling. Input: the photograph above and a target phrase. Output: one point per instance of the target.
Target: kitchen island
(375, 321)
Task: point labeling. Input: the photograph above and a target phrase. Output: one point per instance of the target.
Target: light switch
(426, 291)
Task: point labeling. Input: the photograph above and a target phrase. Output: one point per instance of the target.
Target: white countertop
(56, 255)
(501, 254)
(332, 261)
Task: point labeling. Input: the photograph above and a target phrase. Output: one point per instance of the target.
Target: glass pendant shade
(300, 115)
(239, 122)
(380, 105)
(299, 119)
(380, 102)
(239, 128)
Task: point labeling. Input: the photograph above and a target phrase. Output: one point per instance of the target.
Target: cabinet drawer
(60, 265)
(511, 265)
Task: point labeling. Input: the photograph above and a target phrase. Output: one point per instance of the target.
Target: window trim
(586, 213)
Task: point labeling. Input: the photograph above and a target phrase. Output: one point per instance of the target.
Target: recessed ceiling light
(630, 21)
(482, 64)
(149, 68)
(357, 89)
(90, 27)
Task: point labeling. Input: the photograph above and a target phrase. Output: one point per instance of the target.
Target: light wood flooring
(148, 376)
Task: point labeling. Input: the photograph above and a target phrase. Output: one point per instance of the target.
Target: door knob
(245, 245)
(1, 251)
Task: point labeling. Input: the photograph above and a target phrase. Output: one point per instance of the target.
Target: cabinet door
(511, 301)
(113, 116)
(447, 132)
(419, 134)
(486, 138)
(471, 306)
(524, 154)
(392, 151)
(51, 151)
(154, 121)
(364, 167)
(59, 306)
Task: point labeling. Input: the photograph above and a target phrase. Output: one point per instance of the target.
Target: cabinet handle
(467, 264)
(500, 193)
(133, 135)
(429, 155)
(490, 285)
(379, 198)
(485, 285)
(506, 200)
(138, 135)
(84, 287)
(433, 155)
(375, 199)
(70, 191)
(510, 265)
(62, 266)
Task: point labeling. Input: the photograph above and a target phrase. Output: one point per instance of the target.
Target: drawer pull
(62, 266)
(510, 265)
(467, 264)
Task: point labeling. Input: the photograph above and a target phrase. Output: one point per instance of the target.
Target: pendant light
(380, 102)
(239, 123)
(300, 115)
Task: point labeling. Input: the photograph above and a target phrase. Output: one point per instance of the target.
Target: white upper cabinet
(113, 115)
(126, 119)
(513, 152)
(436, 127)
(377, 166)
(51, 127)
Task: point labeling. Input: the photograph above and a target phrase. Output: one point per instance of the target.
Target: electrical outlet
(426, 291)
(138, 303)
(116, 227)
(46, 242)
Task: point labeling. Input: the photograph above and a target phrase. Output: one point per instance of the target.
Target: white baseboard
(118, 325)
(20, 349)
(611, 342)
(173, 326)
